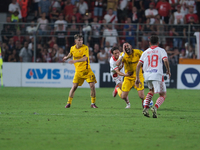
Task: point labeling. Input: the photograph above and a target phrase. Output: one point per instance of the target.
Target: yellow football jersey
(131, 61)
(78, 54)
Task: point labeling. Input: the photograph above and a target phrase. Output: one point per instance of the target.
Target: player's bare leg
(141, 95)
(119, 91)
(124, 96)
(93, 94)
(71, 95)
(159, 102)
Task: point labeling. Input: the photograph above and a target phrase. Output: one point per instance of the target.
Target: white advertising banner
(11, 74)
(52, 74)
(188, 77)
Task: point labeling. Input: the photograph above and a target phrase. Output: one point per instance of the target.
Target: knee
(92, 86)
(142, 97)
(163, 95)
(123, 96)
(74, 87)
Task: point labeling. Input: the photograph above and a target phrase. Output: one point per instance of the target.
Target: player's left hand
(71, 62)
(137, 82)
(169, 73)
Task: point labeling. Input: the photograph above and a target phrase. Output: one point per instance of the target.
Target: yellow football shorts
(81, 76)
(128, 83)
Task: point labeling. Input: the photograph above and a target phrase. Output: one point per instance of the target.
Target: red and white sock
(148, 100)
(159, 101)
(127, 100)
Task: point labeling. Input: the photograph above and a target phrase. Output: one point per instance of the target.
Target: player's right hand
(130, 73)
(124, 47)
(137, 82)
(64, 58)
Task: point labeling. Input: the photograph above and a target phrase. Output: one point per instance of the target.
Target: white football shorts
(159, 86)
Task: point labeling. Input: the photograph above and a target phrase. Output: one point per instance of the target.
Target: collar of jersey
(114, 58)
(153, 47)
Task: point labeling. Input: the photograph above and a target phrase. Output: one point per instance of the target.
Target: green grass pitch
(35, 119)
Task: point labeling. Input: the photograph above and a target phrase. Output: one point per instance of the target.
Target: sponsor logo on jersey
(152, 71)
(43, 73)
(133, 62)
(78, 57)
(190, 77)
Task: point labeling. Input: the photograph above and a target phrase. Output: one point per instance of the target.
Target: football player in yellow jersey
(130, 57)
(80, 54)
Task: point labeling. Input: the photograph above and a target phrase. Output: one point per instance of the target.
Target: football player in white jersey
(153, 73)
(116, 74)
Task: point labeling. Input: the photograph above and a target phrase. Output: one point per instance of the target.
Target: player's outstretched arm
(78, 60)
(122, 74)
(67, 57)
(119, 61)
(120, 67)
(166, 62)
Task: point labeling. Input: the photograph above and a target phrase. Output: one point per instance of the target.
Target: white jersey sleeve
(164, 54)
(142, 58)
(113, 65)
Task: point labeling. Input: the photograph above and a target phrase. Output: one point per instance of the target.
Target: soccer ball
(150, 104)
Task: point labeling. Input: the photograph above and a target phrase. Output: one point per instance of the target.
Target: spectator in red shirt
(54, 15)
(18, 37)
(76, 14)
(191, 14)
(164, 9)
(68, 10)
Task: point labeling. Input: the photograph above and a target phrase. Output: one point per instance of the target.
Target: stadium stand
(48, 27)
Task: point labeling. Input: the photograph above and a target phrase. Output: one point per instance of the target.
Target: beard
(128, 50)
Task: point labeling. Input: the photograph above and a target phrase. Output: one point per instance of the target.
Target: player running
(80, 53)
(116, 74)
(130, 57)
(153, 74)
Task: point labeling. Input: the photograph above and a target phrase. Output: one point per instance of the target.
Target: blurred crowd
(104, 23)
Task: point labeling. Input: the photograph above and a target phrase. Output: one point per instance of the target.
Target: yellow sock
(69, 100)
(93, 100)
(119, 91)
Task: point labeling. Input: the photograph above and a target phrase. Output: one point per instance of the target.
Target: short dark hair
(154, 39)
(76, 36)
(114, 48)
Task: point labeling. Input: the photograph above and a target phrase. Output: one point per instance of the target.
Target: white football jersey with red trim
(152, 63)
(113, 66)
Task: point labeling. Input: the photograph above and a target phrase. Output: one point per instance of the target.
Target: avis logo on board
(41, 73)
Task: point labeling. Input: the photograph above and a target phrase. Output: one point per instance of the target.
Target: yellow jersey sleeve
(71, 50)
(138, 52)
